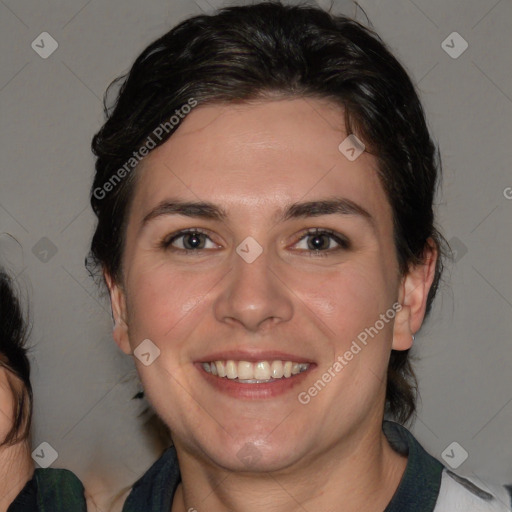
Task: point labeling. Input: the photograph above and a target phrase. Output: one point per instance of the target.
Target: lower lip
(254, 391)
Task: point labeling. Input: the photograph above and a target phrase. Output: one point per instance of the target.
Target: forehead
(254, 158)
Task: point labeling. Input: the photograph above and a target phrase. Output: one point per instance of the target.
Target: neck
(360, 473)
(16, 469)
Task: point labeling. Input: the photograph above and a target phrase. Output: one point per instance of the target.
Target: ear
(413, 293)
(118, 303)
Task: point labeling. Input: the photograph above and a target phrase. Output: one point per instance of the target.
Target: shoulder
(429, 486)
(51, 490)
(459, 493)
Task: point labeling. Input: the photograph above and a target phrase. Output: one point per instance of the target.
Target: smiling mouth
(260, 372)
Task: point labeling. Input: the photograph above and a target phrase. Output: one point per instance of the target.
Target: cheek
(349, 302)
(163, 302)
(348, 299)
(166, 306)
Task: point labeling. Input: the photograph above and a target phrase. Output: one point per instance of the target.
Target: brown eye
(193, 241)
(319, 240)
(190, 240)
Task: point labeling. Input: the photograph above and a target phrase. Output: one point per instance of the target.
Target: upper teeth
(260, 371)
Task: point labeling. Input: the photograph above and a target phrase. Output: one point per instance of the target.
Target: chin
(251, 458)
(267, 451)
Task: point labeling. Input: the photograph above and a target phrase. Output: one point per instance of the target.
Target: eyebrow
(210, 211)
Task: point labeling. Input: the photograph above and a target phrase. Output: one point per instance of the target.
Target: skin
(16, 466)
(253, 160)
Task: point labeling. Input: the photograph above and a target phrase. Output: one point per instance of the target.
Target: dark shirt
(51, 490)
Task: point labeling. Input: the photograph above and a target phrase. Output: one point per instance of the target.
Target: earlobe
(118, 304)
(402, 335)
(413, 294)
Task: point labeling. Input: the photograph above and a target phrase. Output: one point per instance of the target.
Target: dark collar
(419, 487)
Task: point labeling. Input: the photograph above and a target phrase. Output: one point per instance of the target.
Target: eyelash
(166, 243)
(343, 243)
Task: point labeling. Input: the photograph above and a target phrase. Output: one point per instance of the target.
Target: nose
(254, 296)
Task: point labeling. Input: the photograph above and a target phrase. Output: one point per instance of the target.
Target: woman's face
(289, 256)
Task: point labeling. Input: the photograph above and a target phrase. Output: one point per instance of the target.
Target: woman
(264, 188)
(15, 398)
(23, 489)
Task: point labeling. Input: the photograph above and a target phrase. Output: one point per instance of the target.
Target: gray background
(50, 108)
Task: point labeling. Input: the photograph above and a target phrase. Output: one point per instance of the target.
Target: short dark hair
(270, 50)
(13, 357)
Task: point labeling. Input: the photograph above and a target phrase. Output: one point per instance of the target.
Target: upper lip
(253, 356)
